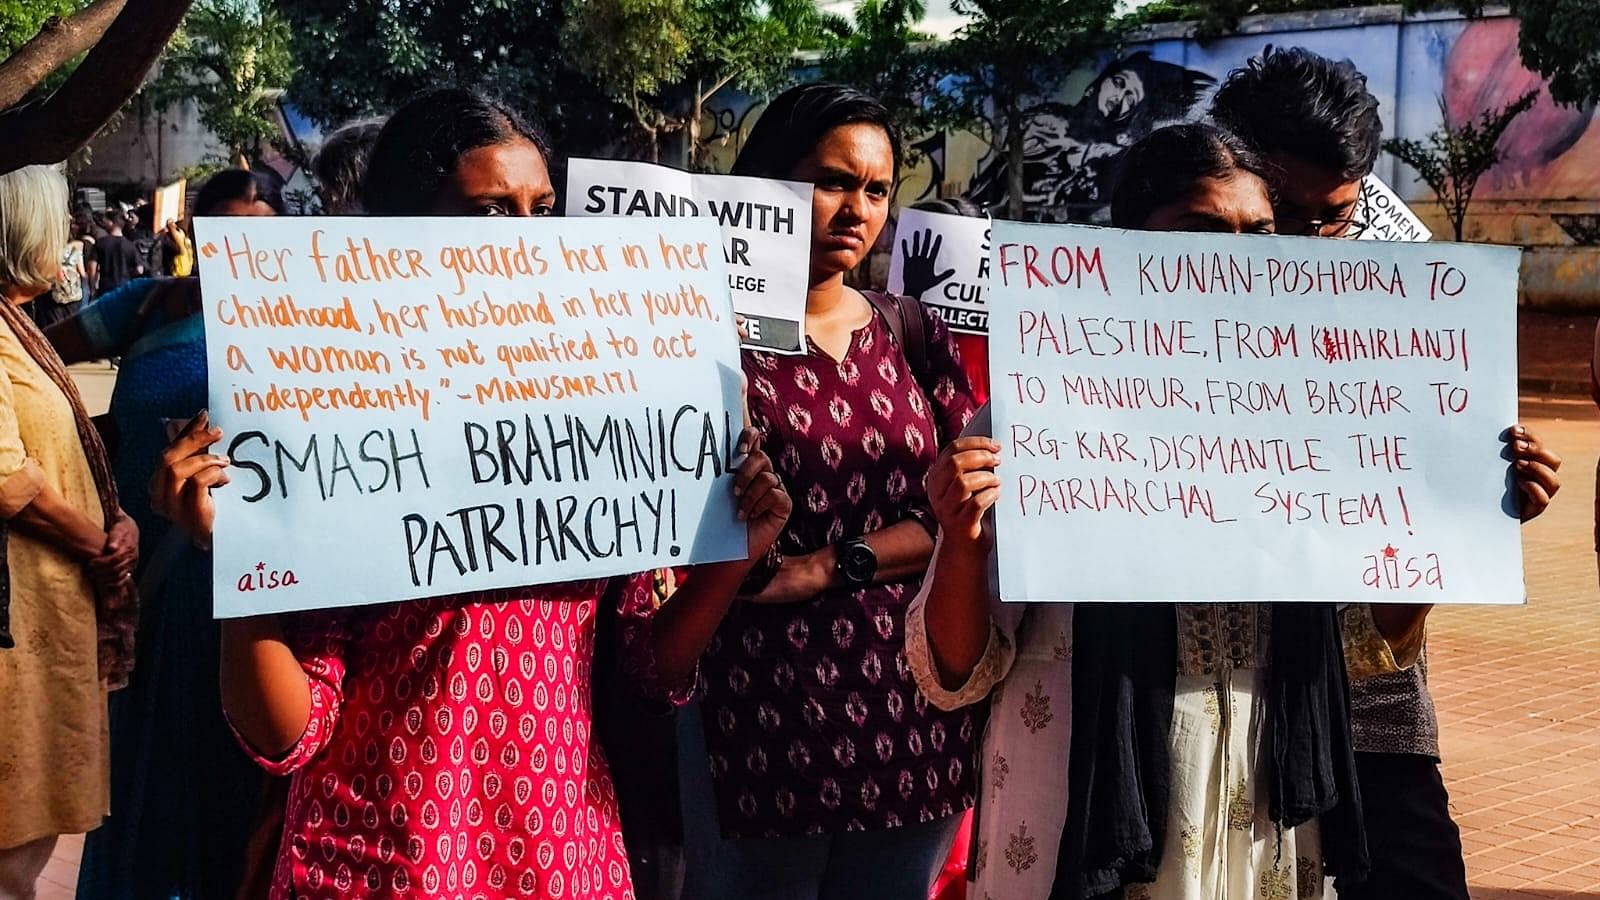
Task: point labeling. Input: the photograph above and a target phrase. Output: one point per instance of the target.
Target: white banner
(1197, 418)
(766, 234)
(943, 260)
(421, 407)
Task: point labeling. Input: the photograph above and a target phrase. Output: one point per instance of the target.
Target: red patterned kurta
(448, 752)
(813, 720)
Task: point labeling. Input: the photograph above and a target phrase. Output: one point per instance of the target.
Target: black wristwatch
(855, 562)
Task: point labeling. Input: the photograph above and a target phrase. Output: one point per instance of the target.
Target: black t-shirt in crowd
(119, 262)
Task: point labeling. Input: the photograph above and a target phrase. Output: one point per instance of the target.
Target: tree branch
(56, 43)
(64, 122)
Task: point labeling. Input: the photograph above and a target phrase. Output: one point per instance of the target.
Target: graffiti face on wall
(1070, 151)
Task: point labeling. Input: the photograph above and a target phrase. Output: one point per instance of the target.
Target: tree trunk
(64, 122)
(691, 128)
(1015, 137)
(57, 43)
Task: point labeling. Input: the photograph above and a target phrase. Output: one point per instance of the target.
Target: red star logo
(261, 567)
(1390, 552)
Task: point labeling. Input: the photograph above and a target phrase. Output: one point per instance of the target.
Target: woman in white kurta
(1220, 843)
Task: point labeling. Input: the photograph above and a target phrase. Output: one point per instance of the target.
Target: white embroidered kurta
(1221, 844)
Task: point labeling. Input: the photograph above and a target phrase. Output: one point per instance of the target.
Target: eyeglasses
(1351, 227)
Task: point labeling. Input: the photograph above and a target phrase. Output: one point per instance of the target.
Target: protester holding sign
(67, 554)
(1317, 124)
(466, 717)
(813, 767)
(1195, 691)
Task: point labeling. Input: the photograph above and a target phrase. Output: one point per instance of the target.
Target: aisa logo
(265, 579)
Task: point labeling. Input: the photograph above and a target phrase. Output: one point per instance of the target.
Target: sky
(940, 21)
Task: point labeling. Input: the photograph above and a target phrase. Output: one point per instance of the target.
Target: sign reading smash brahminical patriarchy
(1201, 418)
(766, 234)
(420, 407)
(943, 260)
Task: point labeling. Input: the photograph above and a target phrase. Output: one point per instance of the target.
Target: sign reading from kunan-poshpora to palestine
(943, 260)
(1202, 418)
(766, 234)
(420, 407)
(1387, 217)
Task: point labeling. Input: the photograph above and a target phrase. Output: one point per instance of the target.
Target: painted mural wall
(1413, 64)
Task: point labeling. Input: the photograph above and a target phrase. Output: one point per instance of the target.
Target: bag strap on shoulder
(905, 319)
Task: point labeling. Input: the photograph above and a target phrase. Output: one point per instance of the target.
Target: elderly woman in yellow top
(67, 555)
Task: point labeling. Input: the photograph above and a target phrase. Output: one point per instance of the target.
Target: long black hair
(794, 122)
(420, 146)
(1164, 166)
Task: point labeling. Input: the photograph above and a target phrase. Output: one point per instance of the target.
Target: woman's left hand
(1535, 469)
(113, 567)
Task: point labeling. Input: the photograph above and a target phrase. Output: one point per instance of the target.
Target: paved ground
(1519, 697)
(1518, 689)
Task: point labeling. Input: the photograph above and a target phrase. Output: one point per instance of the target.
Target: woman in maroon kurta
(814, 731)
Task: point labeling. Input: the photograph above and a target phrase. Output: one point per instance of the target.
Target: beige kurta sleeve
(21, 479)
(998, 655)
(1366, 652)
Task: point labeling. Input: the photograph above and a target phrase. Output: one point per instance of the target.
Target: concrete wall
(1076, 134)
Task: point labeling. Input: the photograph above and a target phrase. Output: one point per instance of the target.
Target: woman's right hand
(181, 487)
(962, 486)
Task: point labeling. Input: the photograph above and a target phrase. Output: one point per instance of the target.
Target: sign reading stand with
(421, 407)
(766, 234)
(1203, 418)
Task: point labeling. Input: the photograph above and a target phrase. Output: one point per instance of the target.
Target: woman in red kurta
(448, 748)
(443, 747)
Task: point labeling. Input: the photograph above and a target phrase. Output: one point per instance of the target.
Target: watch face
(858, 563)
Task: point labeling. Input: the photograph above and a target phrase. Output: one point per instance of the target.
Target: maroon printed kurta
(813, 721)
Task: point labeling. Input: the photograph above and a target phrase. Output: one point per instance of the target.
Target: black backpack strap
(905, 319)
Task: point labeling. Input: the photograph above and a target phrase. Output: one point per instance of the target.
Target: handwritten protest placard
(1199, 418)
(766, 233)
(420, 407)
(1387, 217)
(943, 260)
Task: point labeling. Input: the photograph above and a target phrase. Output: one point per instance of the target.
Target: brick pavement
(1519, 697)
(1519, 703)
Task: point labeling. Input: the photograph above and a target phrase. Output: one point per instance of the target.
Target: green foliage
(663, 59)
(1560, 40)
(1450, 160)
(1214, 18)
(878, 52)
(232, 58)
(360, 58)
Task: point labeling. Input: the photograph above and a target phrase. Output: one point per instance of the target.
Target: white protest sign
(943, 260)
(1388, 217)
(420, 407)
(766, 233)
(1189, 417)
